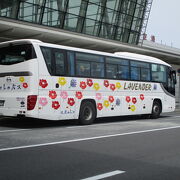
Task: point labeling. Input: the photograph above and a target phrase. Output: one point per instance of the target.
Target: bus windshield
(14, 54)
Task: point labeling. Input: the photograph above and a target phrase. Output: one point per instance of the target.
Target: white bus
(55, 82)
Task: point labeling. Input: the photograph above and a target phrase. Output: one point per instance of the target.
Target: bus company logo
(137, 86)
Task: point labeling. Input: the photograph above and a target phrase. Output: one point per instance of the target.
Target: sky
(164, 22)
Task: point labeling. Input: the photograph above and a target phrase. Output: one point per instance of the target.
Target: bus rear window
(16, 54)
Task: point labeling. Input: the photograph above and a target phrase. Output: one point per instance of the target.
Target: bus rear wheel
(156, 110)
(87, 113)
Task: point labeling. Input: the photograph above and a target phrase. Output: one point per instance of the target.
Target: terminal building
(104, 25)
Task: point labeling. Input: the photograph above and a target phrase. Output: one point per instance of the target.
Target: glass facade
(119, 20)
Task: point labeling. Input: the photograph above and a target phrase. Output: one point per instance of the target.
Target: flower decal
(21, 79)
(133, 108)
(71, 101)
(111, 99)
(106, 83)
(62, 81)
(43, 83)
(118, 85)
(112, 87)
(99, 106)
(96, 86)
(55, 105)
(79, 95)
(142, 97)
(106, 103)
(64, 94)
(98, 96)
(134, 100)
(43, 101)
(52, 94)
(128, 99)
(118, 102)
(73, 83)
(89, 82)
(83, 85)
(25, 85)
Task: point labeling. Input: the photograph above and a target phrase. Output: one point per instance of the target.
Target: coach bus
(55, 82)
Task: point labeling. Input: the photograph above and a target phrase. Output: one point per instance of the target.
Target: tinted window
(158, 73)
(140, 71)
(55, 60)
(117, 68)
(135, 73)
(111, 71)
(16, 54)
(83, 68)
(89, 65)
(59, 61)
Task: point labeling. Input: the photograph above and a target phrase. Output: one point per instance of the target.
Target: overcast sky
(164, 22)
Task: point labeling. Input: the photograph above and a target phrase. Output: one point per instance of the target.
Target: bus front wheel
(87, 113)
(156, 110)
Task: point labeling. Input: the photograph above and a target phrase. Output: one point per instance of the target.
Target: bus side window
(47, 54)
(71, 66)
(59, 62)
(158, 73)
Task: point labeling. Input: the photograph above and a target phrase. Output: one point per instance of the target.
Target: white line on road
(13, 130)
(86, 139)
(105, 175)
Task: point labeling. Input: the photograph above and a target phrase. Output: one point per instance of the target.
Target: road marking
(87, 139)
(13, 130)
(105, 175)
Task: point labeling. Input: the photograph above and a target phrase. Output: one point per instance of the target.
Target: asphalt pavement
(127, 148)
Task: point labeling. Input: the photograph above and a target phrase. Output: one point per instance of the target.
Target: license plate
(2, 102)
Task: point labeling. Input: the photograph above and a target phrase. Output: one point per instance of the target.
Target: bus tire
(87, 113)
(156, 110)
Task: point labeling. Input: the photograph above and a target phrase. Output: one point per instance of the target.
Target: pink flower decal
(64, 94)
(25, 85)
(111, 99)
(106, 83)
(71, 101)
(98, 96)
(134, 100)
(83, 85)
(99, 106)
(43, 101)
(55, 105)
(43, 83)
(142, 97)
(128, 99)
(79, 95)
(112, 87)
(89, 82)
(52, 94)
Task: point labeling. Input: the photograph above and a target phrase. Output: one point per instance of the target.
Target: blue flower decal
(118, 102)
(73, 83)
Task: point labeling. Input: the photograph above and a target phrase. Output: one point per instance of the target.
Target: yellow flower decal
(21, 79)
(118, 85)
(106, 103)
(62, 81)
(133, 108)
(96, 86)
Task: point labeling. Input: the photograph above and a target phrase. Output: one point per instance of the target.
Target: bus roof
(125, 55)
